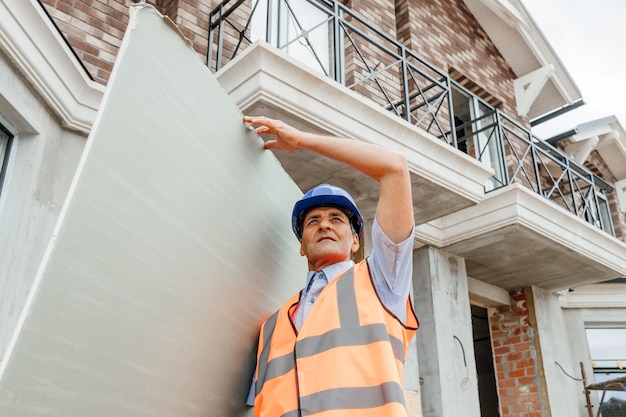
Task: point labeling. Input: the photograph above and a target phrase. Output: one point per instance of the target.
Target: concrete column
(411, 382)
(575, 320)
(445, 347)
(553, 345)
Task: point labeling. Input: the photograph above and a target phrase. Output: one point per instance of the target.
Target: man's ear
(355, 243)
(301, 249)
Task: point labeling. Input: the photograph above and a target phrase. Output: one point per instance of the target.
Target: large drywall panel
(173, 245)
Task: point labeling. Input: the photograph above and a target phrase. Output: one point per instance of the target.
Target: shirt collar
(330, 272)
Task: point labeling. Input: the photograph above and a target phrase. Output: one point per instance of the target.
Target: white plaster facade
(49, 104)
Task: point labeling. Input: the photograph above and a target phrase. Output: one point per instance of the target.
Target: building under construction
(520, 243)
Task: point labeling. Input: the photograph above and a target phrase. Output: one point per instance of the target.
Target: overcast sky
(589, 37)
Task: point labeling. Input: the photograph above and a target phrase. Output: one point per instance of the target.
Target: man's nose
(325, 223)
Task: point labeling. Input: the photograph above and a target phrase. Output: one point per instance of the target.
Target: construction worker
(338, 347)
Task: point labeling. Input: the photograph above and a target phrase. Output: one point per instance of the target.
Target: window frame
(8, 144)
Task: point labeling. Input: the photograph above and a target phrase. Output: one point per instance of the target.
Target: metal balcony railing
(334, 40)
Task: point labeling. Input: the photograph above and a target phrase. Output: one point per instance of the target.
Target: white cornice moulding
(37, 49)
(516, 204)
(595, 296)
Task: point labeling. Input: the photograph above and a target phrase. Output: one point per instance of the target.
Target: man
(338, 347)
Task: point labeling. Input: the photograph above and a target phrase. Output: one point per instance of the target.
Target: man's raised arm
(394, 211)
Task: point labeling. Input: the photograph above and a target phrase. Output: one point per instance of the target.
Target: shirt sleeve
(251, 394)
(392, 268)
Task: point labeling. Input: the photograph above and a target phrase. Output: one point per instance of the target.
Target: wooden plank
(173, 245)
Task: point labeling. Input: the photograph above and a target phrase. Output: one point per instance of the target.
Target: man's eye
(312, 221)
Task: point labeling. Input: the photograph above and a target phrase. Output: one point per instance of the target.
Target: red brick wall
(515, 359)
(443, 32)
(380, 13)
(596, 164)
(95, 28)
(446, 33)
(192, 18)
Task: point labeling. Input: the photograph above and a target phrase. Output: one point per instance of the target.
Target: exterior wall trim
(34, 45)
(516, 204)
(596, 296)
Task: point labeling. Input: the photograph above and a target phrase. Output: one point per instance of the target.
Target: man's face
(327, 237)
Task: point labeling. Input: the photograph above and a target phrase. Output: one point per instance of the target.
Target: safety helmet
(326, 195)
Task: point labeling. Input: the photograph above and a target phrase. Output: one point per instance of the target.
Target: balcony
(351, 79)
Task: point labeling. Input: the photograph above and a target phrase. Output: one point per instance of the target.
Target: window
(477, 133)
(298, 28)
(6, 139)
(605, 214)
(607, 347)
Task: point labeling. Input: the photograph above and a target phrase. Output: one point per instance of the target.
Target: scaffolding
(612, 408)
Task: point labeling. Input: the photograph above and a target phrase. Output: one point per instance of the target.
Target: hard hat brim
(307, 204)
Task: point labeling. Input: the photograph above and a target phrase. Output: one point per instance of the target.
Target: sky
(589, 37)
(608, 343)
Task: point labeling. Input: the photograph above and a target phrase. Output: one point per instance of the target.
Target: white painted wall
(576, 321)
(42, 162)
(556, 344)
(49, 103)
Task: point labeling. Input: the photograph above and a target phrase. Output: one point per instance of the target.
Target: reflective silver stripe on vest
(293, 413)
(354, 336)
(346, 301)
(351, 335)
(268, 331)
(279, 366)
(349, 317)
(346, 398)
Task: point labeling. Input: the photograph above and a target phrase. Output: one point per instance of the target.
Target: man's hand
(287, 137)
(394, 211)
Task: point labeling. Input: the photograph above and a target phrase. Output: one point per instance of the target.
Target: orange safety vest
(347, 359)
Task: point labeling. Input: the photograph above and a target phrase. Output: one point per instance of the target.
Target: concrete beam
(487, 295)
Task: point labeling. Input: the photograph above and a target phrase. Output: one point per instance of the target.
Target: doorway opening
(485, 373)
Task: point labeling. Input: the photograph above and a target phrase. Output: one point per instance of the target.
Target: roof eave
(523, 45)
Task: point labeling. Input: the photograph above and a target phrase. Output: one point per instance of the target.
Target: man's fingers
(262, 130)
(261, 120)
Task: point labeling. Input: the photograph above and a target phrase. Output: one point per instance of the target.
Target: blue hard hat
(326, 195)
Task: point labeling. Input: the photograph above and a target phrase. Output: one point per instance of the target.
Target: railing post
(501, 155)
(405, 87)
(209, 49)
(220, 40)
(596, 203)
(455, 142)
(606, 227)
(338, 53)
(268, 22)
(533, 151)
(570, 178)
